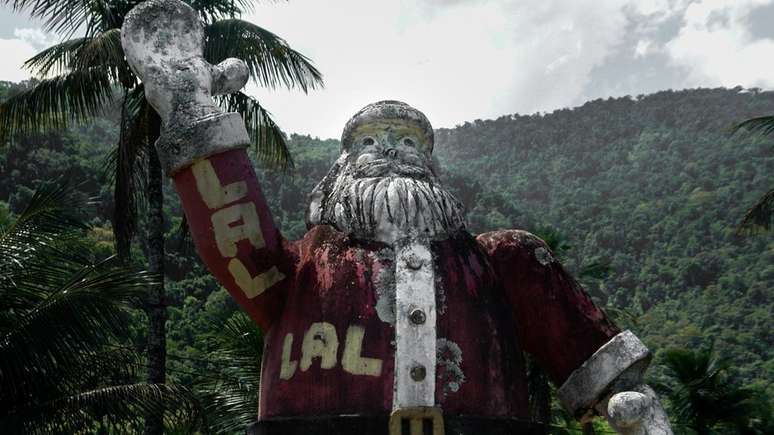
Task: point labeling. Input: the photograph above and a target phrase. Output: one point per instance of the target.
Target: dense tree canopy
(66, 363)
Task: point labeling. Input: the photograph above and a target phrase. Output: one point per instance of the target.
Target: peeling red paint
(556, 320)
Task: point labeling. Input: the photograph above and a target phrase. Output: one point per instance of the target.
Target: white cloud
(643, 48)
(473, 59)
(716, 47)
(25, 44)
(658, 10)
(459, 60)
(35, 37)
(15, 53)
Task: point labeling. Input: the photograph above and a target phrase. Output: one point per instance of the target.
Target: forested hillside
(656, 185)
(653, 185)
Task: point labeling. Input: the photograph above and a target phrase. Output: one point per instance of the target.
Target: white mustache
(365, 205)
(385, 167)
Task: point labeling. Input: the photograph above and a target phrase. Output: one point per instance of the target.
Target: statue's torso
(331, 350)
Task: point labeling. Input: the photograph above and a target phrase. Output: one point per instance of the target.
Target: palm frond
(762, 124)
(118, 406)
(102, 50)
(622, 317)
(58, 357)
(106, 14)
(760, 216)
(241, 342)
(126, 167)
(554, 239)
(55, 103)
(230, 397)
(62, 332)
(48, 214)
(231, 408)
(57, 58)
(213, 10)
(690, 366)
(267, 137)
(65, 17)
(116, 362)
(270, 59)
(704, 394)
(44, 224)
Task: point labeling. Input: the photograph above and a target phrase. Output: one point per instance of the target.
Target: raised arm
(234, 232)
(203, 150)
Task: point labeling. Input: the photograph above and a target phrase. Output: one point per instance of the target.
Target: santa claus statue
(388, 316)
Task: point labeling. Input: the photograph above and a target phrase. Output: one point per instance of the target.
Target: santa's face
(383, 188)
(390, 149)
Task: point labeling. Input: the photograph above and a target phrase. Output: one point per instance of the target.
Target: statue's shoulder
(320, 235)
(323, 236)
(512, 244)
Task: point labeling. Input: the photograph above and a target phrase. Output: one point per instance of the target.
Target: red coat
(328, 347)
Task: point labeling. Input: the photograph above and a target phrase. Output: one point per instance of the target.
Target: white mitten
(636, 412)
(163, 41)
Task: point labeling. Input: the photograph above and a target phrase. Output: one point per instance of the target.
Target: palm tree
(63, 368)
(229, 393)
(79, 78)
(761, 214)
(704, 396)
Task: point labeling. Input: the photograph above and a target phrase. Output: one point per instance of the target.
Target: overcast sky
(461, 60)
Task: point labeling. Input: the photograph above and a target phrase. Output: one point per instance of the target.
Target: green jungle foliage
(649, 190)
(66, 363)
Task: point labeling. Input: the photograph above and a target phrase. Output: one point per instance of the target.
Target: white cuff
(184, 140)
(589, 382)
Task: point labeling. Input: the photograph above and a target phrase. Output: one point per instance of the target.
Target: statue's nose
(391, 153)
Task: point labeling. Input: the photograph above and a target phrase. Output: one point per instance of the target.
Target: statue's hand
(163, 41)
(636, 412)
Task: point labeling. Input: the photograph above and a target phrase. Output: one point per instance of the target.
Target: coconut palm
(81, 75)
(761, 214)
(79, 79)
(63, 368)
(704, 396)
(228, 391)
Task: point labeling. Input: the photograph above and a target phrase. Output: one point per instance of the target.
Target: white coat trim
(588, 383)
(415, 344)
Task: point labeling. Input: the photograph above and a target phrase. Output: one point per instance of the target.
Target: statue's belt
(409, 423)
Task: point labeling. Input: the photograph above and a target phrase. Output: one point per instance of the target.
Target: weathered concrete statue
(388, 316)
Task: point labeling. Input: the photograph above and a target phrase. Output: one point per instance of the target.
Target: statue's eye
(408, 142)
(368, 141)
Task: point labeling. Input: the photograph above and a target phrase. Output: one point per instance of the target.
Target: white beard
(386, 208)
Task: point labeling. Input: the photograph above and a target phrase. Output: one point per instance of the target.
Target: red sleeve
(234, 232)
(556, 321)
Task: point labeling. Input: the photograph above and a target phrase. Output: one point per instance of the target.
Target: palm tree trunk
(157, 310)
